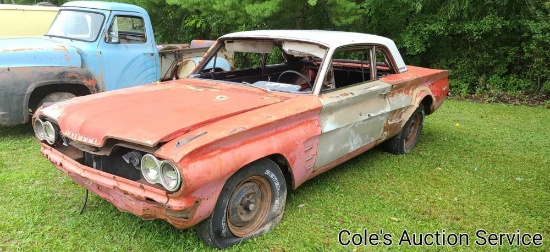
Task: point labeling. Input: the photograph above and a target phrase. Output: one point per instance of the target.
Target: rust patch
(82, 78)
(21, 49)
(201, 43)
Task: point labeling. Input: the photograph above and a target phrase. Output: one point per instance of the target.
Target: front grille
(113, 164)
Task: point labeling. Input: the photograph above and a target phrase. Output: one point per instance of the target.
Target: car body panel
(178, 102)
(351, 118)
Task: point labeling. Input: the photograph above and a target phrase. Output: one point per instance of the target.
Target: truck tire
(251, 202)
(55, 97)
(405, 141)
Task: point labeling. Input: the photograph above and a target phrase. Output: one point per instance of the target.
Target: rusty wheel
(412, 130)
(405, 141)
(251, 202)
(248, 206)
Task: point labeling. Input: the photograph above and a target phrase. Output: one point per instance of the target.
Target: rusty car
(219, 149)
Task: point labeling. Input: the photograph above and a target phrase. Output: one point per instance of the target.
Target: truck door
(127, 53)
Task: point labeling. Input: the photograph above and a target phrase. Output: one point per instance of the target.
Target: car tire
(251, 203)
(55, 97)
(405, 141)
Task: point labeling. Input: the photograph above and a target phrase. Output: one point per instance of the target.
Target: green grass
(477, 166)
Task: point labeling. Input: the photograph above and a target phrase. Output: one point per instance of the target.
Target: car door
(127, 54)
(354, 105)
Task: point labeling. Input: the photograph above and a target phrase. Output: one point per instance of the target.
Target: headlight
(169, 176)
(150, 168)
(39, 131)
(163, 172)
(50, 132)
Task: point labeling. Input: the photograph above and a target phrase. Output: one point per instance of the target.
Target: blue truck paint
(23, 52)
(81, 54)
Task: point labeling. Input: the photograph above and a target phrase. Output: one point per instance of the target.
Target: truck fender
(24, 87)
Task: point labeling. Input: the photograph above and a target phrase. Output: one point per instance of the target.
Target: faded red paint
(230, 135)
(208, 160)
(435, 84)
(126, 195)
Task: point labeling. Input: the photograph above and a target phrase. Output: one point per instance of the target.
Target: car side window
(349, 66)
(383, 63)
(352, 65)
(127, 30)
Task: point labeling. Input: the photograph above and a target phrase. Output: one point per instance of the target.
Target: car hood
(151, 114)
(25, 52)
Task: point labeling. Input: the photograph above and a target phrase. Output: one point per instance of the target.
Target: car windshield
(76, 25)
(278, 65)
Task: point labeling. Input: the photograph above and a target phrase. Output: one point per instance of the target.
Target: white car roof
(331, 39)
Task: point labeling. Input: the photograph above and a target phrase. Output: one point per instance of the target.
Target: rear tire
(251, 202)
(405, 141)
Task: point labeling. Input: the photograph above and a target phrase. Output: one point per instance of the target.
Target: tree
(289, 14)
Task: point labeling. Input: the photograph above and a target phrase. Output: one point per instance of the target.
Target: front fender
(231, 144)
(17, 85)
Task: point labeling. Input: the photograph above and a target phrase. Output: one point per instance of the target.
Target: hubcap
(248, 206)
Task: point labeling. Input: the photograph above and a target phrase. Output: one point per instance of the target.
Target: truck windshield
(76, 25)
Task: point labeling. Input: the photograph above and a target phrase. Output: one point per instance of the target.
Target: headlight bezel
(145, 170)
(161, 168)
(46, 130)
(164, 174)
(39, 129)
(51, 137)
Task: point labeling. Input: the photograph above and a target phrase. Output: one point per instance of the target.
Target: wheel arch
(222, 235)
(41, 91)
(215, 189)
(428, 102)
(73, 80)
(423, 95)
(282, 162)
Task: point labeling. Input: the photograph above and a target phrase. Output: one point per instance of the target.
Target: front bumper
(127, 195)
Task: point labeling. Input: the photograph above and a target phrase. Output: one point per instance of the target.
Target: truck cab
(90, 47)
(115, 40)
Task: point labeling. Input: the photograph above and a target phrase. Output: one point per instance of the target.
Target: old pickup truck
(219, 149)
(90, 47)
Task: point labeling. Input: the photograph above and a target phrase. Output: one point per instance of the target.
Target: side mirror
(112, 37)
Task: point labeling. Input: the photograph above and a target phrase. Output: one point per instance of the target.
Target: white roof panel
(331, 39)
